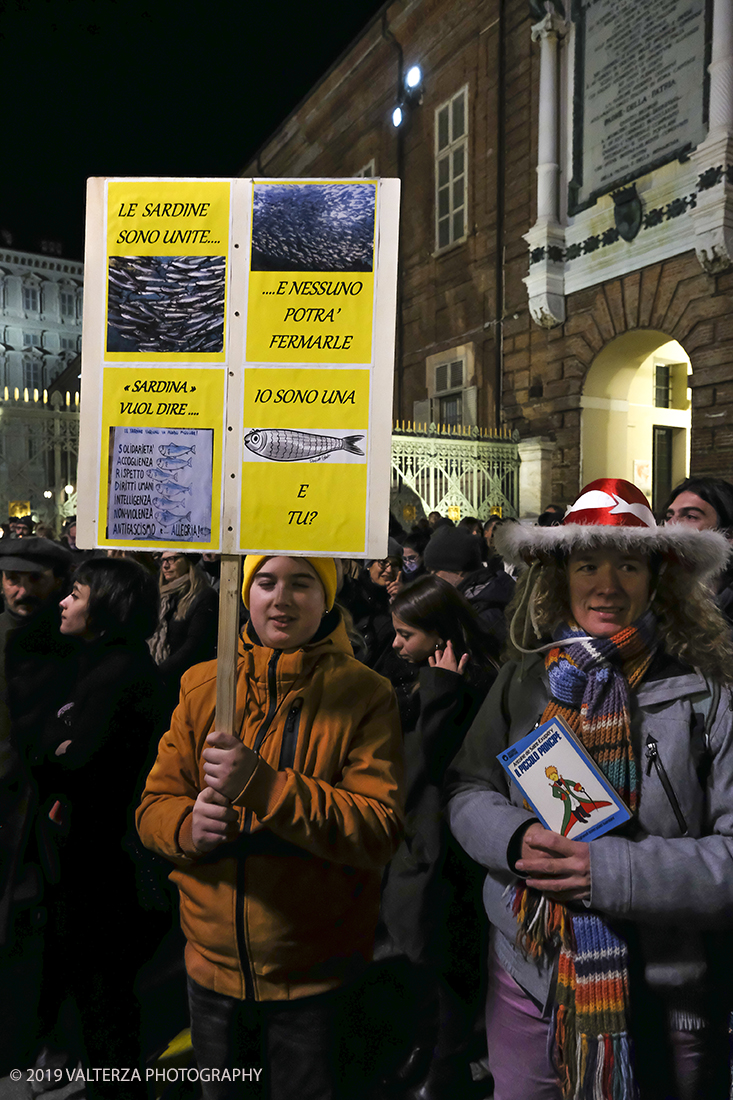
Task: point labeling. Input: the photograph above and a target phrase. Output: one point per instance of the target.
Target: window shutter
(470, 406)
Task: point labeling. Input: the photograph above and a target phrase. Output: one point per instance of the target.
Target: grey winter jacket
(670, 872)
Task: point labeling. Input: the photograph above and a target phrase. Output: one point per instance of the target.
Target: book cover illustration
(562, 783)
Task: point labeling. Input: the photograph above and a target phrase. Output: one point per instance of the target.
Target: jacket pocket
(654, 760)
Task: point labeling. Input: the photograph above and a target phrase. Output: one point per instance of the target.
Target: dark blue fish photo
(166, 304)
(313, 227)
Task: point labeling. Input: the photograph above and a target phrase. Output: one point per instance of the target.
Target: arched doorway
(635, 420)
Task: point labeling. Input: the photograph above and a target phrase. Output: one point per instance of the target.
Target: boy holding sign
(279, 835)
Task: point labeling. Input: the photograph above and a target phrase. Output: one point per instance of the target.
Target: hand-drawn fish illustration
(285, 445)
(166, 475)
(172, 450)
(171, 488)
(167, 519)
(173, 463)
(164, 501)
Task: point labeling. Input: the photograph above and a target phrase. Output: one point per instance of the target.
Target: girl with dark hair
(430, 906)
(96, 752)
(436, 623)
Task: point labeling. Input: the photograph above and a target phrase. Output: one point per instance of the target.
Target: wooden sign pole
(226, 655)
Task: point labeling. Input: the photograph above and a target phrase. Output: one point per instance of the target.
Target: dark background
(160, 88)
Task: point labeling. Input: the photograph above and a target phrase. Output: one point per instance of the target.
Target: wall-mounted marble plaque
(640, 89)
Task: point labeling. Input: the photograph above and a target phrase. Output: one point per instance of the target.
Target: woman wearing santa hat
(609, 973)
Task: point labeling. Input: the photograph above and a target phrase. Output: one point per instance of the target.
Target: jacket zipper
(249, 986)
(290, 736)
(652, 757)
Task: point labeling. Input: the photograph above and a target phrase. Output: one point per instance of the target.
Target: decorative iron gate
(39, 452)
(455, 471)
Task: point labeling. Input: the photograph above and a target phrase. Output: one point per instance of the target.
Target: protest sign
(237, 365)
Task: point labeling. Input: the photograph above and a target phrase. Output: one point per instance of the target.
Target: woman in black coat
(97, 749)
(187, 625)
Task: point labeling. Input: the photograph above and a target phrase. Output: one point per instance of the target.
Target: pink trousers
(517, 1033)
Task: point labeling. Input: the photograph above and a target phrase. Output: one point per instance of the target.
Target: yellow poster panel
(307, 318)
(304, 508)
(161, 457)
(167, 251)
(287, 397)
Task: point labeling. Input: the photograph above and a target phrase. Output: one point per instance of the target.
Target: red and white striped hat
(611, 511)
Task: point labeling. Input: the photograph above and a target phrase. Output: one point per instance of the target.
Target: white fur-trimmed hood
(704, 553)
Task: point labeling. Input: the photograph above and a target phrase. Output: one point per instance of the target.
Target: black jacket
(190, 641)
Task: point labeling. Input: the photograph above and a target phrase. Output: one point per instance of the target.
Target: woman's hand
(228, 764)
(393, 588)
(558, 867)
(214, 821)
(446, 658)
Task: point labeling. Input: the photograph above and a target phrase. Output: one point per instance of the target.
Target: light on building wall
(47, 493)
(413, 78)
(398, 117)
(68, 489)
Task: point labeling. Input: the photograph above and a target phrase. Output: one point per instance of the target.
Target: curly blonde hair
(689, 624)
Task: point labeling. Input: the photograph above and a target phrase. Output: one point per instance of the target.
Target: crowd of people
(369, 908)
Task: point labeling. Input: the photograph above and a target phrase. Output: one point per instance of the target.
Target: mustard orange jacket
(289, 908)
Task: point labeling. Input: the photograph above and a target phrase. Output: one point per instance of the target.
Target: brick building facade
(518, 305)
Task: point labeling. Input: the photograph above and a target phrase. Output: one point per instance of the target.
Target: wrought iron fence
(455, 471)
(39, 451)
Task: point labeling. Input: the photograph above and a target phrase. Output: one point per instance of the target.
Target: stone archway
(636, 413)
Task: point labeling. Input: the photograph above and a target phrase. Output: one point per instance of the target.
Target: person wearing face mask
(278, 834)
(413, 548)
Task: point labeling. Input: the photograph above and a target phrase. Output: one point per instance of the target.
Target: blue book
(562, 783)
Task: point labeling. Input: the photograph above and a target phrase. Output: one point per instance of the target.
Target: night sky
(160, 88)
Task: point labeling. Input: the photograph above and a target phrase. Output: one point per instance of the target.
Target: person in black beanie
(454, 554)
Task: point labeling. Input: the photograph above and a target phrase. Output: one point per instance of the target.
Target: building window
(662, 454)
(67, 301)
(451, 157)
(31, 299)
(662, 386)
(452, 396)
(451, 410)
(67, 343)
(32, 374)
(31, 339)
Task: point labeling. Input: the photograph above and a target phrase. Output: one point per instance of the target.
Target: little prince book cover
(562, 783)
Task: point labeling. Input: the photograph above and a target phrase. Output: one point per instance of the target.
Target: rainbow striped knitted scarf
(589, 688)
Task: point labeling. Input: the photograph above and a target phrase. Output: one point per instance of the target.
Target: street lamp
(411, 92)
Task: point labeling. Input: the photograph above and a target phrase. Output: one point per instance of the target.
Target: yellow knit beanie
(324, 567)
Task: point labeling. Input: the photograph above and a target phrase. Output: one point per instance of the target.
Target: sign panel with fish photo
(311, 286)
(167, 247)
(160, 484)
